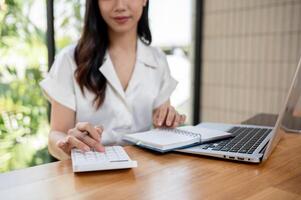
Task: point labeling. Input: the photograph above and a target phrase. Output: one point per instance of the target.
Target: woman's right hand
(84, 137)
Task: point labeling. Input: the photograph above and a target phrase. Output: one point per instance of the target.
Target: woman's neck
(123, 41)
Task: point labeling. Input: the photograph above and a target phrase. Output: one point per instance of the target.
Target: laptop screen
(290, 116)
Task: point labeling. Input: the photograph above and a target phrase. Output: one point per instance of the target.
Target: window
(173, 34)
(23, 113)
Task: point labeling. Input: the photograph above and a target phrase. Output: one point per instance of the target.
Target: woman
(111, 83)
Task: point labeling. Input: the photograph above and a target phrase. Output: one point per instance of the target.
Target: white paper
(206, 133)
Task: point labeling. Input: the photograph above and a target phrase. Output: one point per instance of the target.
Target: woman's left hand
(167, 116)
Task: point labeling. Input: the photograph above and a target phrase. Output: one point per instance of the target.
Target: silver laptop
(255, 143)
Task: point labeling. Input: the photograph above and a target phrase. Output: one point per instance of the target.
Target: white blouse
(122, 111)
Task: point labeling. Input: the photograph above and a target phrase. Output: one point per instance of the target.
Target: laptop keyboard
(245, 140)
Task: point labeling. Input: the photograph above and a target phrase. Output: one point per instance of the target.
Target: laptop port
(239, 158)
(231, 157)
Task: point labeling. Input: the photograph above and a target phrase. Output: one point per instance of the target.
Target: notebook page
(161, 138)
(207, 134)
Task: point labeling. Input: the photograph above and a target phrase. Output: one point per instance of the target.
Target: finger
(84, 126)
(177, 120)
(162, 116)
(183, 119)
(63, 145)
(155, 117)
(99, 127)
(99, 130)
(74, 142)
(170, 116)
(94, 144)
(91, 142)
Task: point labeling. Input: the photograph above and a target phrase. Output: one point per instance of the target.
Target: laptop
(252, 143)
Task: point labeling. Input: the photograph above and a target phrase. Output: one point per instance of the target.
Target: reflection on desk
(168, 176)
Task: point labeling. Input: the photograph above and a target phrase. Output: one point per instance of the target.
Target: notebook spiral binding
(182, 132)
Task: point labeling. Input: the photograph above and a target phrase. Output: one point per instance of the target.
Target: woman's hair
(91, 48)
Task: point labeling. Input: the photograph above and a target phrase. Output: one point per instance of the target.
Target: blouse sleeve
(58, 84)
(168, 83)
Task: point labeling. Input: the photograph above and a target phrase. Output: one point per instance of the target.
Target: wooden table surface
(168, 176)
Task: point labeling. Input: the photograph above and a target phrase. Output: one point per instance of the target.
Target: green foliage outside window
(24, 125)
(23, 110)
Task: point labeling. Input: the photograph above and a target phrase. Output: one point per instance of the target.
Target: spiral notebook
(164, 140)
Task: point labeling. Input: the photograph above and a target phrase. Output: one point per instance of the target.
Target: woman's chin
(121, 29)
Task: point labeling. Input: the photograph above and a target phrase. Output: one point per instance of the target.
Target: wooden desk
(169, 176)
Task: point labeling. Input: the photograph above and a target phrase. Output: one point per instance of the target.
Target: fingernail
(100, 149)
(86, 148)
(98, 128)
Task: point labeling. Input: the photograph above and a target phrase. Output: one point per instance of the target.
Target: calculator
(114, 157)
